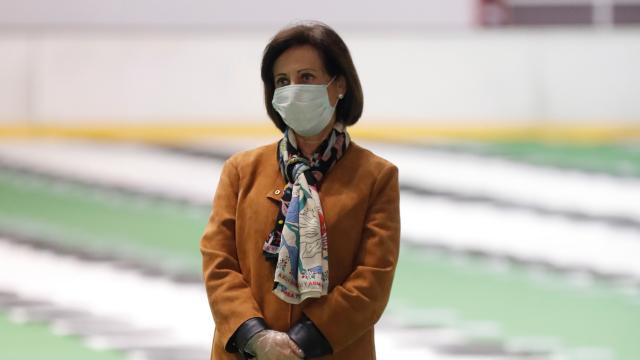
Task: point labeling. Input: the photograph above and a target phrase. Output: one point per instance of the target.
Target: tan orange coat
(360, 200)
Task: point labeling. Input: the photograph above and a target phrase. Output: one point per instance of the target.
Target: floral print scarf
(298, 243)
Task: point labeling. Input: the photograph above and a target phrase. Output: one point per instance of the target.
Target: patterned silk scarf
(298, 243)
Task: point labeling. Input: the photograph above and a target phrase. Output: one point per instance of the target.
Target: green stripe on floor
(613, 158)
(36, 342)
(140, 228)
(523, 305)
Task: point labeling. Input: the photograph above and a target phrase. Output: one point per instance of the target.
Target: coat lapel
(272, 171)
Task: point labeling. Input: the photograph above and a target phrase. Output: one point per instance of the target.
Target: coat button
(277, 192)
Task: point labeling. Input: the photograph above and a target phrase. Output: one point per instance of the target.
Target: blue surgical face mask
(304, 108)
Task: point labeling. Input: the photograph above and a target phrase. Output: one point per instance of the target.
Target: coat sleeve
(356, 305)
(229, 294)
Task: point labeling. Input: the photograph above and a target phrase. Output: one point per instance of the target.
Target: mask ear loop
(340, 96)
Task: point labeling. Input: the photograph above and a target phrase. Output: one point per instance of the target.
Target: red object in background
(492, 13)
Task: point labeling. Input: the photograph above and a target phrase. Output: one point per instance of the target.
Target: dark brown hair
(335, 57)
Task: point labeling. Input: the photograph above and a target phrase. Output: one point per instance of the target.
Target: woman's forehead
(298, 58)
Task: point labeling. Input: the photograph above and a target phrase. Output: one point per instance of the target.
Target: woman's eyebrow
(299, 71)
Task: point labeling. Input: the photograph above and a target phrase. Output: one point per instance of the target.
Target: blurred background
(515, 126)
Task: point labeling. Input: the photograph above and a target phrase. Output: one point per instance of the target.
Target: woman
(303, 239)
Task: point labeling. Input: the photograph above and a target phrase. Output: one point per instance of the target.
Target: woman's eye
(307, 77)
(281, 82)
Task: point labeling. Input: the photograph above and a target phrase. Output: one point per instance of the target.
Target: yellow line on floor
(398, 131)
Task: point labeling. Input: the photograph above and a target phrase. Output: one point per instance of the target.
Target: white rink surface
(501, 231)
(554, 240)
(542, 186)
(148, 169)
(178, 314)
(131, 166)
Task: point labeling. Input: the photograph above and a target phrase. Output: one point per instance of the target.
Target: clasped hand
(273, 345)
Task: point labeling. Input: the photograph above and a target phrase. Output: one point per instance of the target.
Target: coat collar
(276, 191)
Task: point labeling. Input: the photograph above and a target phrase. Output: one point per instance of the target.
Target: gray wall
(361, 14)
(517, 76)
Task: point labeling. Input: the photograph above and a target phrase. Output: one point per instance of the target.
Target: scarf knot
(296, 166)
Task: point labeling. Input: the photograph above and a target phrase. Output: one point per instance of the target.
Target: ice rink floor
(509, 250)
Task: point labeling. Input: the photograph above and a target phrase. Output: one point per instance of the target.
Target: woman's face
(303, 65)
